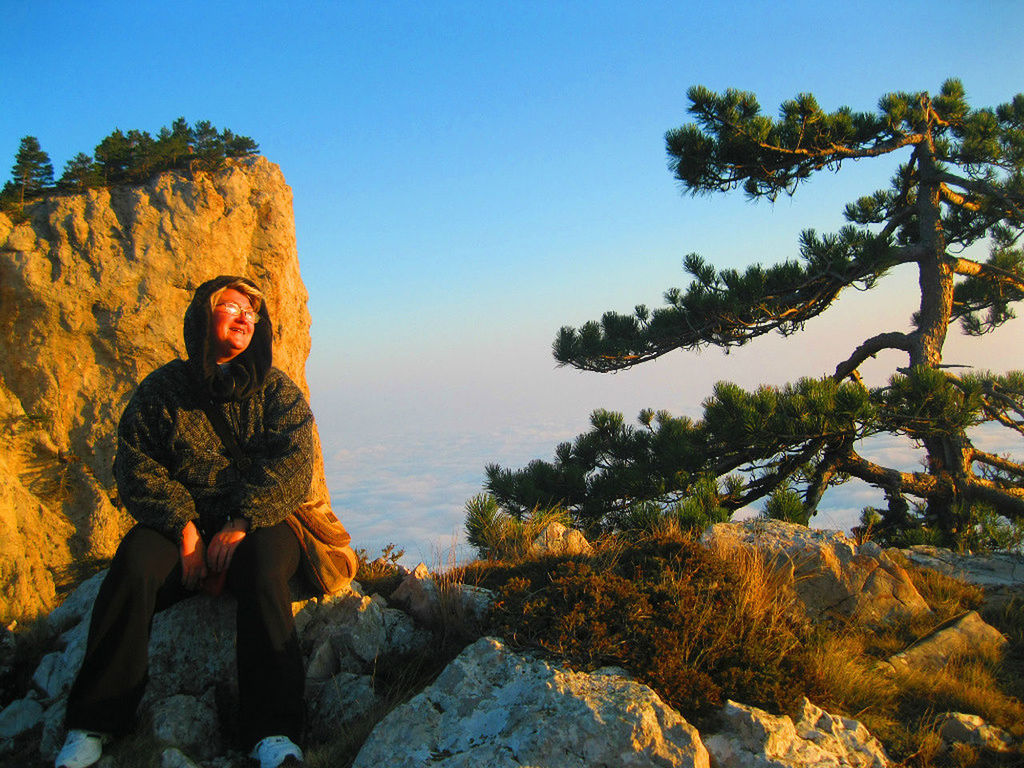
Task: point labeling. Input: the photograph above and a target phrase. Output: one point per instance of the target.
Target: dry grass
(497, 535)
(849, 677)
(766, 600)
(901, 707)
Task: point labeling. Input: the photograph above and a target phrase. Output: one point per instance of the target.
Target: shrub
(497, 535)
(382, 574)
(695, 626)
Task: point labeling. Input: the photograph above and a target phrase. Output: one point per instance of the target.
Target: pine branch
(919, 484)
(1008, 502)
(1013, 204)
(870, 348)
(765, 484)
(972, 268)
(825, 470)
(999, 462)
(957, 199)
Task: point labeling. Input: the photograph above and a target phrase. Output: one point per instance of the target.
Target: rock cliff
(93, 288)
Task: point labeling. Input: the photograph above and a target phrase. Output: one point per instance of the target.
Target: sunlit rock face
(93, 289)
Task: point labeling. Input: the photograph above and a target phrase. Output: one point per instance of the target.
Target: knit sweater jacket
(171, 467)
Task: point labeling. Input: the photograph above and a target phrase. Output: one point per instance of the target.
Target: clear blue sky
(470, 176)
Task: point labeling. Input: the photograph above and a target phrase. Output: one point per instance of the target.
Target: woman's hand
(193, 556)
(224, 543)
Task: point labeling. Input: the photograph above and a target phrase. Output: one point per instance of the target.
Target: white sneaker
(277, 751)
(81, 749)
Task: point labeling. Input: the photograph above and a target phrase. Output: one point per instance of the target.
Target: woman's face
(230, 334)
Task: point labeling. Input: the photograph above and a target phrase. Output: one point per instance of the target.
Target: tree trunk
(948, 455)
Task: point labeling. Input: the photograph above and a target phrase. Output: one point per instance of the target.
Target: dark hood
(246, 373)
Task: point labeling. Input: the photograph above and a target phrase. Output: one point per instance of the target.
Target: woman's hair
(250, 291)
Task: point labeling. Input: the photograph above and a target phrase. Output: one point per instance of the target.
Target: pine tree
(80, 173)
(208, 145)
(961, 182)
(32, 171)
(114, 157)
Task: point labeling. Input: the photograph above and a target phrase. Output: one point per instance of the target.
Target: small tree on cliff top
(960, 182)
(32, 171)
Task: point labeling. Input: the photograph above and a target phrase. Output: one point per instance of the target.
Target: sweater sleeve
(142, 466)
(282, 464)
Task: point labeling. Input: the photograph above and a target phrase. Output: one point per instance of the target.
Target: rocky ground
(493, 705)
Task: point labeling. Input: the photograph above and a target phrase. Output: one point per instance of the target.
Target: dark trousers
(145, 577)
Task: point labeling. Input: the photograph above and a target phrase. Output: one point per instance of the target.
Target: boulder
(831, 573)
(172, 757)
(338, 701)
(19, 717)
(192, 660)
(958, 728)
(501, 709)
(93, 288)
(556, 539)
(430, 600)
(753, 738)
(350, 633)
(968, 631)
(999, 574)
(189, 722)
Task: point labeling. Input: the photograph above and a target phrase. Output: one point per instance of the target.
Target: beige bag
(330, 563)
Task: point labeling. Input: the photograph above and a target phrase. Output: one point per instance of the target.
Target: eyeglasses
(234, 309)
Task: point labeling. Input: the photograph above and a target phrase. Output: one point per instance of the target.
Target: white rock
(172, 757)
(959, 634)
(1000, 574)
(556, 539)
(753, 738)
(77, 607)
(956, 727)
(50, 675)
(189, 723)
(831, 573)
(340, 700)
(53, 729)
(492, 707)
(20, 716)
(430, 600)
(191, 647)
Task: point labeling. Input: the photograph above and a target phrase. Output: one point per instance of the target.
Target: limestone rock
(831, 573)
(191, 661)
(967, 631)
(753, 738)
(999, 574)
(352, 632)
(338, 701)
(77, 607)
(497, 708)
(93, 288)
(175, 758)
(556, 539)
(18, 717)
(430, 600)
(53, 729)
(188, 722)
(191, 648)
(956, 727)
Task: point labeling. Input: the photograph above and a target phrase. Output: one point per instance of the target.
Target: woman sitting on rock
(208, 514)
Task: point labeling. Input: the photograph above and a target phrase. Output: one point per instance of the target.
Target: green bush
(497, 535)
